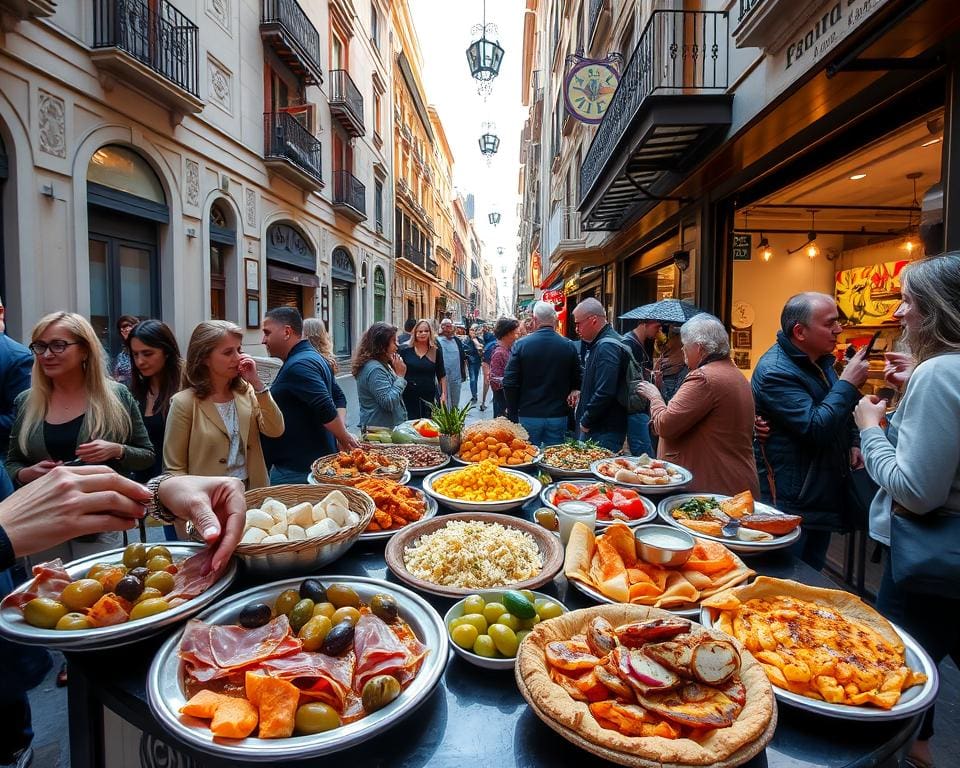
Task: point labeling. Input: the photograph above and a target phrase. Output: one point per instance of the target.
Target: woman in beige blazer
(215, 422)
(708, 425)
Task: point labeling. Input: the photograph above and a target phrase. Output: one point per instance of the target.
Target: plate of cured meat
(112, 598)
(298, 668)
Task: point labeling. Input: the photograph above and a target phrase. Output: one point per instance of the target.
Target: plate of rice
(459, 554)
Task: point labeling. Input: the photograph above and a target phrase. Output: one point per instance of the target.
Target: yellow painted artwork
(869, 295)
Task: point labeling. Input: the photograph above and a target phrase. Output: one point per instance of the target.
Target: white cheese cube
(352, 518)
(319, 512)
(301, 515)
(277, 538)
(338, 513)
(276, 509)
(257, 518)
(296, 533)
(278, 529)
(253, 536)
(323, 528)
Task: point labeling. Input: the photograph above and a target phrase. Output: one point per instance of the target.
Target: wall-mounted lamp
(766, 252)
(681, 260)
(191, 232)
(47, 190)
(811, 247)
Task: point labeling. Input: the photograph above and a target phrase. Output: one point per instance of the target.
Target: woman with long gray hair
(916, 463)
(708, 425)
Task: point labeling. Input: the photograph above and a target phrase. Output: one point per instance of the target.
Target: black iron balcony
(289, 31)
(346, 103)
(413, 254)
(290, 150)
(746, 6)
(670, 105)
(433, 268)
(599, 18)
(154, 47)
(349, 196)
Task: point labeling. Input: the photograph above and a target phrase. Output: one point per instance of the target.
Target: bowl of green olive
(486, 628)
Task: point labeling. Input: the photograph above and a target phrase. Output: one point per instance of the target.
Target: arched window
(223, 240)
(124, 170)
(379, 295)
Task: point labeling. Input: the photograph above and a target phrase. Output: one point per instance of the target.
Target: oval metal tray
(165, 694)
(311, 480)
(429, 512)
(546, 496)
(686, 477)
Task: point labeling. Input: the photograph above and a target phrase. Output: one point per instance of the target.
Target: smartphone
(873, 340)
(73, 463)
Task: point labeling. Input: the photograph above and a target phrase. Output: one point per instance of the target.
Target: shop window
(223, 239)
(379, 295)
(291, 268)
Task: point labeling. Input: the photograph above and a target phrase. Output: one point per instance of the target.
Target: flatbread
(552, 702)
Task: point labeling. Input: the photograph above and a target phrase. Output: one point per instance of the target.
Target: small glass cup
(570, 512)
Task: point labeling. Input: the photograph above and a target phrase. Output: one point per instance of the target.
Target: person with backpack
(708, 425)
(600, 415)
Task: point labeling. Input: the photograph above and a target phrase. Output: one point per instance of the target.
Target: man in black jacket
(804, 464)
(544, 369)
(600, 416)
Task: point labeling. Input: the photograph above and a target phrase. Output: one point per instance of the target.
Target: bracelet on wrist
(155, 508)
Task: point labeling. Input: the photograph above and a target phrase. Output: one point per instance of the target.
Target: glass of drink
(570, 512)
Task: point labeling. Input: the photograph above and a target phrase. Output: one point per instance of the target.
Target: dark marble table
(475, 717)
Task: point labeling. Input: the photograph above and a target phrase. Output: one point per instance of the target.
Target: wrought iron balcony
(152, 47)
(433, 268)
(413, 254)
(349, 196)
(746, 6)
(288, 30)
(290, 150)
(670, 105)
(346, 103)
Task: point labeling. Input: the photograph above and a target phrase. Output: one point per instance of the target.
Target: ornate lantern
(494, 217)
(484, 55)
(489, 142)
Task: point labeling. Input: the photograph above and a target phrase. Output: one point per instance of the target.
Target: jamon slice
(193, 577)
(571, 655)
(210, 652)
(641, 632)
(380, 652)
(49, 579)
(693, 705)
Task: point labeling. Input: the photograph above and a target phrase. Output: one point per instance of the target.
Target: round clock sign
(588, 89)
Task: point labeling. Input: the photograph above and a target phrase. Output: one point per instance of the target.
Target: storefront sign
(571, 285)
(556, 297)
(589, 86)
(741, 246)
(536, 268)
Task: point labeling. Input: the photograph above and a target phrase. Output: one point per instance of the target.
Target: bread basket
(318, 466)
(306, 555)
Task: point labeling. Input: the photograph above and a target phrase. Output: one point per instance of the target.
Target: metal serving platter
(912, 702)
(429, 512)
(596, 594)
(686, 476)
(165, 694)
(666, 507)
(481, 506)
(546, 496)
(311, 480)
(13, 626)
(421, 471)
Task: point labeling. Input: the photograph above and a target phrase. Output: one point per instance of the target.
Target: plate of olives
(127, 587)
(322, 611)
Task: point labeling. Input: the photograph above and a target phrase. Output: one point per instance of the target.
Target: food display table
(474, 717)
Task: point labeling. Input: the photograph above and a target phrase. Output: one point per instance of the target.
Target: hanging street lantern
(494, 217)
(484, 55)
(489, 142)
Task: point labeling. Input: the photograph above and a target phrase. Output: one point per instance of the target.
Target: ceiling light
(812, 250)
(766, 252)
(932, 142)
(858, 176)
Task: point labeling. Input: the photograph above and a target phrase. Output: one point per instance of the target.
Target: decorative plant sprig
(450, 421)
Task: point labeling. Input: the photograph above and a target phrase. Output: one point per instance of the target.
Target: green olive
(285, 602)
(135, 555)
(97, 569)
(149, 593)
(464, 635)
(349, 615)
(476, 619)
(379, 691)
(324, 609)
(159, 551)
(300, 614)
(81, 594)
(474, 604)
(43, 612)
(70, 621)
(149, 608)
(483, 646)
(385, 607)
(493, 611)
(160, 580)
(316, 718)
(548, 609)
(313, 633)
(341, 595)
(505, 639)
(158, 563)
(509, 620)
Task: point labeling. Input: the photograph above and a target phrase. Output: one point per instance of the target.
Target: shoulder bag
(925, 551)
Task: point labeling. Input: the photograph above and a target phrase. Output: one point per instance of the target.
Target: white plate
(165, 695)
(477, 660)
(685, 478)
(596, 594)
(913, 701)
(481, 506)
(546, 496)
(313, 481)
(429, 512)
(13, 626)
(666, 506)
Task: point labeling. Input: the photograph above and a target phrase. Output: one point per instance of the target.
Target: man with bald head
(804, 464)
(543, 370)
(600, 417)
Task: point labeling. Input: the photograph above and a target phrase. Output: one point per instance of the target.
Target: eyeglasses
(57, 346)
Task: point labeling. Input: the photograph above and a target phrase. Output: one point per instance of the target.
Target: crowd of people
(83, 436)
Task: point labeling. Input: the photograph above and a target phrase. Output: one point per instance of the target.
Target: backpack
(627, 394)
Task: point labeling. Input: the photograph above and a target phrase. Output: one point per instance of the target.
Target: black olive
(255, 615)
(129, 588)
(338, 639)
(139, 573)
(312, 589)
(385, 607)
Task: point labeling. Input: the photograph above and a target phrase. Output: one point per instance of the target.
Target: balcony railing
(746, 6)
(293, 36)
(433, 268)
(349, 194)
(411, 253)
(679, 52)
(287, 140)
(346, 103)
(160, 38)
(597, 7)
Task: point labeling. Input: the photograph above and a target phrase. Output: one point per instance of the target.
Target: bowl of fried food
(500, 440)
(350, 467)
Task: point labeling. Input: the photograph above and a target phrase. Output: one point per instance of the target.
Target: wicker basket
(306, 555)
(317, 467)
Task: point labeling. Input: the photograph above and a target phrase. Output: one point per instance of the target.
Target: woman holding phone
(380, 373)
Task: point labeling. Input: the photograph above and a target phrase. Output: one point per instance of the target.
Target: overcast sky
(443, 28)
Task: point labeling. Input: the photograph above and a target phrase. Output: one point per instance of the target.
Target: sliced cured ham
(49, 580)
(193, 577)
(380, 652)
(331, 675)
(211, 651)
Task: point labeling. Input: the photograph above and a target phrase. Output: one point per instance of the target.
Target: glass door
(340, 317)
(123, 281)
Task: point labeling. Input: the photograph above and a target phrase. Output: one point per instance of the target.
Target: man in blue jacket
(805, 461)
(600, 417)
(308, 396)
(544, 368)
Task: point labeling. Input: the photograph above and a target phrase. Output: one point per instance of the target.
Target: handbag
(925, 551)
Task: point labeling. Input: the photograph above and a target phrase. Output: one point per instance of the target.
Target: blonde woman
(316, 333)
(426, 377)
(215, 422)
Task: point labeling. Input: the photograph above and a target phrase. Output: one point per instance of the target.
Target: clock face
(589, 87)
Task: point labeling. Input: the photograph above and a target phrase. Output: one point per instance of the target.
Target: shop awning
(283, 275)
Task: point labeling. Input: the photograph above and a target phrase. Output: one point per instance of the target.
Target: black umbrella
(664, 311)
